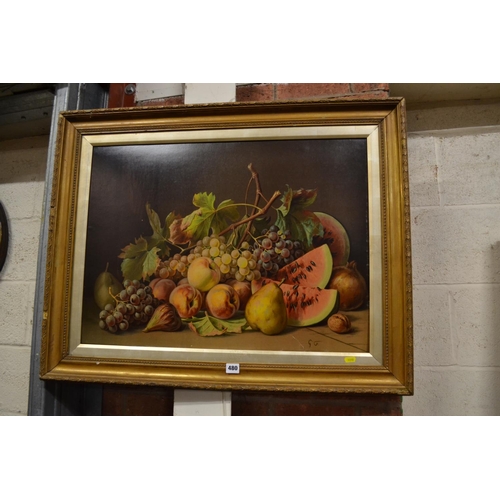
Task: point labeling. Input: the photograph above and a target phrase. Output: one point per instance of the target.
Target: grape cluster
(270, 252)
(233, 263)
(135, 304)
(275, 249)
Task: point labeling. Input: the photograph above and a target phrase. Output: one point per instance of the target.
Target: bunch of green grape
(135, 304)
(233, 263)
(275, 249)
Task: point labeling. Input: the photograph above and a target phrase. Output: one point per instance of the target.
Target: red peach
(222, 301)
(243, 289)
(187, 300)
(162, 288)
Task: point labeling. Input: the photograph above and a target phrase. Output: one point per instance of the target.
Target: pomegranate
(350, 285)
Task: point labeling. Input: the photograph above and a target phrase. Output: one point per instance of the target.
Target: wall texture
(22, 174)
(455, 200)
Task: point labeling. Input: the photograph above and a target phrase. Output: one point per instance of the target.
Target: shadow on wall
(492, 307)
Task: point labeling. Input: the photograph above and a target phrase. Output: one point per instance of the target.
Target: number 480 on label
(233, 368)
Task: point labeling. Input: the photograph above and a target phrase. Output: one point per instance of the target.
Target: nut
(339, 323)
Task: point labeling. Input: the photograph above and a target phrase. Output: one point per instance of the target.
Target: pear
(266, 310)
(102, 293)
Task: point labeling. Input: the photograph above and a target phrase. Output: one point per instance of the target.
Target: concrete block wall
(455, 215)
(22, 175)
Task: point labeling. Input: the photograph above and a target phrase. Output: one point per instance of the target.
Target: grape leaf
(208, 326)
(154, 220)
(131, 251)
(142, 257)
(139, 261)
(292, 215)
(160, 234)
(197, 224)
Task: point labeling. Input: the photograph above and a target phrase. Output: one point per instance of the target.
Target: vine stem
(258, 195)
(256, 214)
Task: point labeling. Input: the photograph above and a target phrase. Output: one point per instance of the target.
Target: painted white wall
(455, 212)
(455, 216)
(22, 175)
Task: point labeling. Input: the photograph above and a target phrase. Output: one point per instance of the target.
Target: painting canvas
(189, 238)
(137, 191)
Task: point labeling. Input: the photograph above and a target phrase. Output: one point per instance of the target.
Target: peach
(187, 300)
(222, 301)
(203, 274)
(162, 288)
(243, 289)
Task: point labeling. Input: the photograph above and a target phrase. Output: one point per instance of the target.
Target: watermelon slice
(305, 306)
(313, 269)
(335, 236)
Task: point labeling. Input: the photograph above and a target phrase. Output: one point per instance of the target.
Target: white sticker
(233, 368)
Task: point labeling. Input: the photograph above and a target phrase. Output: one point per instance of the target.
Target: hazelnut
(339, 323)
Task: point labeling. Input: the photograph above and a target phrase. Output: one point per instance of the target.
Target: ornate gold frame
(386, 368)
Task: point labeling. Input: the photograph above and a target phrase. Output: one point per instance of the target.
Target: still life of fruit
(267, 265)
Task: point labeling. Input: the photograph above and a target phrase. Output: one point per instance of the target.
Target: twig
(260, 212)
(258, 195)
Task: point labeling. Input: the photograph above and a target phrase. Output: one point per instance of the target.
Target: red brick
(167, 101)
(256, 92)
(368, 87)
(309, 90)
(365, 95)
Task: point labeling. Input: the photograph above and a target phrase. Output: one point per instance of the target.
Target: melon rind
(324, 302)
(341, 245)
(316, 264)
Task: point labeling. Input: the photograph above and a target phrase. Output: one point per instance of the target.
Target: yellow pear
(102, 292)
(266, 310)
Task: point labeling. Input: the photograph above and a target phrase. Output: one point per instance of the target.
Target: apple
(162, 288)
(222, 301)
(203, 274)
(243, 289)
(187, 300)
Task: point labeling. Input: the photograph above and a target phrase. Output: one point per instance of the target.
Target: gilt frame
(385, 366)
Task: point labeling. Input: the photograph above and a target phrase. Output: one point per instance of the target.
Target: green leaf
(208, 326)
(132, 250)
(139, 263)
(154, 220)
(292, 215)
(198, 224)
(150, 263)
(168, 220)
(160, 234)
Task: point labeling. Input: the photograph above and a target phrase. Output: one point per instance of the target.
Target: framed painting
(235, 246)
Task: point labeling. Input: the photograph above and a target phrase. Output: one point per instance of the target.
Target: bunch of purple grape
(134, 304)
(275, 249)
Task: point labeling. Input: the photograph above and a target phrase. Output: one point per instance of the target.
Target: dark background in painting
(125, 178)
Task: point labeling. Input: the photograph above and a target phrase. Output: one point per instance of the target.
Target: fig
(350, 284)
(165, 318)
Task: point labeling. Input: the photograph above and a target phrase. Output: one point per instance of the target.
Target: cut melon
(313, 269)
(305, 306)
(335, 236)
